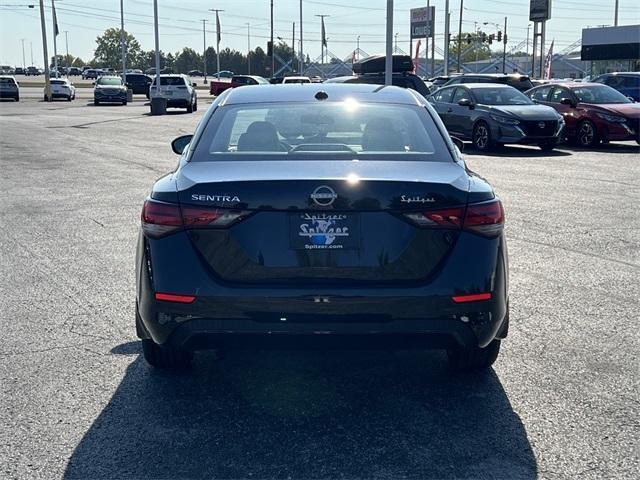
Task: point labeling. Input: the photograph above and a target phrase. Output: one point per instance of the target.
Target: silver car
(9, 88)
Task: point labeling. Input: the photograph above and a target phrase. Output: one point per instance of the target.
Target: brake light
(170, 297)
(159, 218)
(485, 218)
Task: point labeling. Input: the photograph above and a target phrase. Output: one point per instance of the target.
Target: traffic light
(484, 37)
(491, 38)
(269, 49)
(504, 38)
(499, 36)
(468, 39)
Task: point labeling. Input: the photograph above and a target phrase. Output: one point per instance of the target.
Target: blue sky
(180, 23)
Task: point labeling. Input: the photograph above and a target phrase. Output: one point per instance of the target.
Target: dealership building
(611, 49)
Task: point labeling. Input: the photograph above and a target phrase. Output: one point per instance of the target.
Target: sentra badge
(215, 198)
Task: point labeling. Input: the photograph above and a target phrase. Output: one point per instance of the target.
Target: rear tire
(482, 137)
(17, 98)
(195, 106)
(166, 357)
(474, 359)
(548, 145)
(190, 107)
(96, 103)
(586, 134)
(124, 103)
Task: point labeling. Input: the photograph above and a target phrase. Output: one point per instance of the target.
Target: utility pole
(615, 18)
(460, 34)
(217, 10)
(293, 47)
(358, 48)
(388, 63)
(66, 43)
(248, 49)
(273, 47)
(504, 46)
(446, 38)
(122, 42)
(55, 35)
(526, 48)
(45, 53)
(204, 50)
(31, 45)
(157, 42)
(301, 68)
(23, 62)
(433, 44)
(426, 42)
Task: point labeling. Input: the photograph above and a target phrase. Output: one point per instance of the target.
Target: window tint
(460, 94)
(444, 95)
(454, 81)
(599, 94)
(631, 82)
(286, 131)
(109, 81)
(477, 80)
(501, 95)
(170, 81)
(558, 94)
(541, 94)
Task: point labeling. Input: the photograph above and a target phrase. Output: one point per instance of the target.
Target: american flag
(324, 34)
(218, 26)
(547, 63)
(417, 57)
(56, 31)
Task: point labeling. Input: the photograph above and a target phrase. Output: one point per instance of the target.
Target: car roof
(492, 75)
(635, 74)
(572, 84)
(336, 92)
(479, 85)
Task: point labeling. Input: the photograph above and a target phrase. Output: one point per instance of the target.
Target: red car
(592, 112)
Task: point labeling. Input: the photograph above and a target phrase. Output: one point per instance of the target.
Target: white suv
(178, 90)
(62, 88)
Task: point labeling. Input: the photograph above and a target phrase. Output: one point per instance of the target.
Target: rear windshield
(297, 80)
(170, 81)
(7, 81)
(599, 94)
(109, 81)
(58, 82)
(348, 129)
(500, 96)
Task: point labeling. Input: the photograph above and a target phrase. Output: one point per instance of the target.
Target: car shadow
(298, 414)
(517, 151)
(612, 147)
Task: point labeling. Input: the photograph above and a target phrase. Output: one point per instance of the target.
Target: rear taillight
(484, 218)
(159, 219)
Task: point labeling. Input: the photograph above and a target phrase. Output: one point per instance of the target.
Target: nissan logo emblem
(541, 124)
(323, 196)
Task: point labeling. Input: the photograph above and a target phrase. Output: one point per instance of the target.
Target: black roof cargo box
(375, 64)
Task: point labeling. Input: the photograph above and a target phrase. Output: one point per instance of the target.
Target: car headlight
(611, 118)
(505, 120)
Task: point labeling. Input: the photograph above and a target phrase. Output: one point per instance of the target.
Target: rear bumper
(422, 316)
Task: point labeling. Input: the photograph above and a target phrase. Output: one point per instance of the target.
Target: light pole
(66, 43)
(301, 68)
(526, 48)
(204, 50)
(504, 46)
(460, 34)
(358, 48)
(45, 54)
(248, 49)
(446, 38)
(55, 35)
(388, 61)
(157, 43)
(615, 18)
(31, 45)
(217, 10)
(273, 47)
(23, 62)
(122, 42)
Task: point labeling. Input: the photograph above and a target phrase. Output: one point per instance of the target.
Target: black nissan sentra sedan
(321, 215)
(491, 115)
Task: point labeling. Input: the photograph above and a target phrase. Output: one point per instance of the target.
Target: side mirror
(179, 144)
(458, 143)
(465, 102)
(631, 98)
(194, 85)
(567, 101)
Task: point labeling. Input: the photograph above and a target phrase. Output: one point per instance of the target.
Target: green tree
(472, 47)
(109, 54)
(187, 60)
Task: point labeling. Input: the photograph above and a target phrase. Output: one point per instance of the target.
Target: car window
(558, 93)
(614, 81)
(460, 94)
(333, 130)
(7, 81)
(521, 83)
(631, 82)
(501, 95)
(109, 81)
(476, 80)
(443, 95)
(599, 94)
(171, 81)
(58, 82)
(541, 94)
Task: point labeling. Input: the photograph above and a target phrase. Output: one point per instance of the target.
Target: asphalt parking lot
(78, 401)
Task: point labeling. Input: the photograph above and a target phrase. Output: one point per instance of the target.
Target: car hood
(631, 110)
(526, 112)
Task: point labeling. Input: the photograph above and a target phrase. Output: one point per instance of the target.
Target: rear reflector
(471, 298)
(168, 297)
(159, 218)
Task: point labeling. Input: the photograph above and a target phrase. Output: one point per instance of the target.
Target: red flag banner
(417, 57)
(547, 63)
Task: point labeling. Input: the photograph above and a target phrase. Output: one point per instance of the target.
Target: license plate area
(324, 231)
